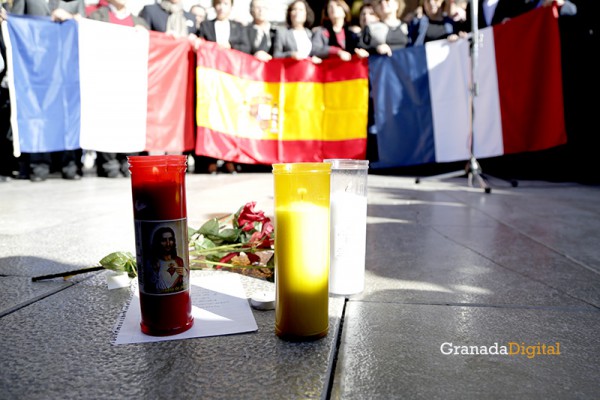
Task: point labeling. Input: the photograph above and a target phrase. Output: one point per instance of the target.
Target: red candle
(162, 253)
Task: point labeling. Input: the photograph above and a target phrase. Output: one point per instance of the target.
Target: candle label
(162, 256)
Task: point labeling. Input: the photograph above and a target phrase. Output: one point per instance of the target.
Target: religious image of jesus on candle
(167, 270)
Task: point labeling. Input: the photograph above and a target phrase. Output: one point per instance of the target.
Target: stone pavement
(450, 269)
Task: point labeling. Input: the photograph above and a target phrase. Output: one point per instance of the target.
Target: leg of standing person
(71, 167)
(230, 168)
(205, 165)
(8, 162)
(107, 165)
(38, 166)
(124, 164)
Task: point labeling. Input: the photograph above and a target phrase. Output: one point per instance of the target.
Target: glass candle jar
(162, 253)
(301, 250)
(348, 225)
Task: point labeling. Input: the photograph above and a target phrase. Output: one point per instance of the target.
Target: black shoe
(109, 169)
(70, 171)
(125, 168)
(230, 168)
(39, 173)
(71, 176)
(212, 168)
(113, 174)
(36, 178)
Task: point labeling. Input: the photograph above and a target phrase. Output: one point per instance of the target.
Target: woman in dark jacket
(334, 38)
(296, 41)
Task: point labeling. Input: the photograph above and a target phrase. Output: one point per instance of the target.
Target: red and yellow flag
(283, 110)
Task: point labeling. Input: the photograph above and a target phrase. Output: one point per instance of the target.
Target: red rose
(248, 217)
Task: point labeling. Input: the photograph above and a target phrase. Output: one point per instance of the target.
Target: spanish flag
(283, 110)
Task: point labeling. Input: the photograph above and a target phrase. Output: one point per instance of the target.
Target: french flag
(421, 95)
(98, 86)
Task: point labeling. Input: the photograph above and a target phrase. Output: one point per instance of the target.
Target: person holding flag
(390, 33)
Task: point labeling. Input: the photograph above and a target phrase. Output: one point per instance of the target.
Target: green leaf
(229, 235)
(203, 244)
(120, 261)
(210, 228)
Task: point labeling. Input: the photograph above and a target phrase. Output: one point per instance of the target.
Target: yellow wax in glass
(302, 252)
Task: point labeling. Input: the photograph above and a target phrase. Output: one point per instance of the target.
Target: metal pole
(474, 170)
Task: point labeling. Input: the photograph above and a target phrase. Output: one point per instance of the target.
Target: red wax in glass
(158, 194)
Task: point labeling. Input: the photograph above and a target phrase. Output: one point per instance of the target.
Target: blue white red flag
(98, 86)
(421, 95)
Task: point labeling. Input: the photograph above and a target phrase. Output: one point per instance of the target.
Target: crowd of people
(368, 27)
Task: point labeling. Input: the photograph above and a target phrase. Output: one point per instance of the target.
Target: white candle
(348, 243)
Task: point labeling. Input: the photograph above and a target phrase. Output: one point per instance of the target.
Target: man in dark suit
(227, 33)
(261, 32)
(168, 16)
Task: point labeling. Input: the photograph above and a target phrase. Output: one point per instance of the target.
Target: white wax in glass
(348, 243)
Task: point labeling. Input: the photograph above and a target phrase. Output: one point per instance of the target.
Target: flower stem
(217, 248)
(192, 266)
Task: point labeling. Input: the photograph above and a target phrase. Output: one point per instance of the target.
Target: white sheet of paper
(219, 307)
(117, 280)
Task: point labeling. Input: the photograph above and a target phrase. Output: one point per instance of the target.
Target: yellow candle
(301, 250)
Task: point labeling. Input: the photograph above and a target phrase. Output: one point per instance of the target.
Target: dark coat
(42, 8)
(417, 29)
(238, 36)
(324, 39)
(285, 43)
(266, 44)
(102, 14)
(156, 17)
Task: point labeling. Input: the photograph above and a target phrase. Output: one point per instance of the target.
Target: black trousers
(8, 163)
(67, 162)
